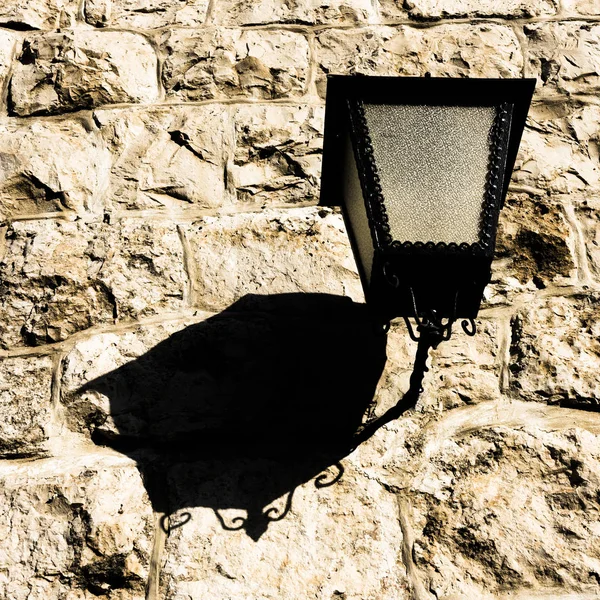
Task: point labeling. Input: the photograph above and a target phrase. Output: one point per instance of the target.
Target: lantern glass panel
(356, 211)
(433, 164)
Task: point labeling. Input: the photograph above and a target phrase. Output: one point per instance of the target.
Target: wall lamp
(421, 167)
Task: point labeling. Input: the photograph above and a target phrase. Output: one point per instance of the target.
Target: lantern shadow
(235, 412)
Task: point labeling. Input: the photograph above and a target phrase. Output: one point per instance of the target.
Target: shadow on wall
(237, 411)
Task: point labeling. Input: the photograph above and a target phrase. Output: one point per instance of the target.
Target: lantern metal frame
(435, 283)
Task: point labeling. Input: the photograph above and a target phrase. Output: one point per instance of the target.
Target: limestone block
(555, 351)
(74, 528)
(223, 63)
(59, 278)
(46, 293)
(50, 166)
(214, 383)
(564, 56)
(312, 12)
(167, 157)
(336, 540)
(463, 371)
(301, 250)
(482, 50)
(141, 263)
(589, 217)
(438, 9)
(558, 151)
(145, 14)
(508, 511)
(25, 384)
(533, 249)
(38, 14)
(97, 408)
(581, 7)
(278, 153)
(68, 71)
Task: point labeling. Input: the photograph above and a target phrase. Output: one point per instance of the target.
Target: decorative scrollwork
(469, 327)
(167, 523)
(241, 520)
(271, 513)
(322, 480)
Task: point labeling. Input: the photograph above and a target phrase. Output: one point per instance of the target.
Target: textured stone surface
(306, 250)
(278, 153)
(38, 14)
(59, 278)
(555, 351)
(436, 9)
(74, 528)
(564, 56)
(559, 151)
(581, 7)
(60, 72)
(51, 167)
(221, 63)
(222, 356)
(145, 14)
(8, 43)
(533, 248)
(341, 541)
(589, 217)
(446, 50)
(98, 356)
(508, 510)
(247, 12)
(25, 384)
(463, 371)
(167, 157)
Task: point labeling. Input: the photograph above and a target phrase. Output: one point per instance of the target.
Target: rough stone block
(223, 63)
(141, 263)
(300, 250)
(278, 153)
(507, 511)
(312, 12)
(481, 50)
(167, 157)
(565, 57)
(581, 7)
(588, 213)
(59, 278)
(74, 528)
(68, 71)
(533, 249)
(438, 9)
(50, 166)
(145, 14)
(555, 351)
(558, 151)
(46, 293)
(463, 371)
(335, 540)
(38, 14)
(25, 385)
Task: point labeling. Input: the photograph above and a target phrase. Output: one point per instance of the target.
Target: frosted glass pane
(356, 212)
(433, 164)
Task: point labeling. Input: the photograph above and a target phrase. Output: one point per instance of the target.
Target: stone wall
(181, 327)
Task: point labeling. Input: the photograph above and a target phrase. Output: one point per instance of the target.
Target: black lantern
(420, 167)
